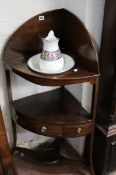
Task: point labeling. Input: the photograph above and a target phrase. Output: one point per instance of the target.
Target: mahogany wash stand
(55, 113)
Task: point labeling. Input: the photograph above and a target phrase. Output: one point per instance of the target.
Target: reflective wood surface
(56, 113)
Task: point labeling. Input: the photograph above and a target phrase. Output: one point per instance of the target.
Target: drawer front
(76, 131)
(50, 130)
(56, 130)
(42, 128)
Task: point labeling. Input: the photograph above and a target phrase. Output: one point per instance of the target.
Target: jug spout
(50, 43)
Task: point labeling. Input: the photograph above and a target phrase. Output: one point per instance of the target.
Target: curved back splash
(74, 38)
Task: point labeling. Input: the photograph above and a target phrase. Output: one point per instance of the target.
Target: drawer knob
(79, 130)
(43, 129)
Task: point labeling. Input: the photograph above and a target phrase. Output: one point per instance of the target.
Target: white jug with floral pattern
(51, 58)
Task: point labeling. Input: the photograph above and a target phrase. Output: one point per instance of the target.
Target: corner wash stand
(55, 113)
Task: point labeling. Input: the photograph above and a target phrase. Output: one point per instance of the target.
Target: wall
(77, 7)
(94, 19)
(12, 14)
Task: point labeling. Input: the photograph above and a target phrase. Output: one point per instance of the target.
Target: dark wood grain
(1, 167)
(28, 165)
(70, 131)
(93, 113)
(20, 67)
(108, 65)
(6, 162)
(104, 143)
(56, 110)
(56, 113)
(74, 40)
(78, 42)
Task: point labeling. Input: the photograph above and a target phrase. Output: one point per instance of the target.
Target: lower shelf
(26, 166)
(55, 113)
(29, 164)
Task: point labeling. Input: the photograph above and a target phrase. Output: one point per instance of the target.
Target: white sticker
(41, 18)
(75, 70)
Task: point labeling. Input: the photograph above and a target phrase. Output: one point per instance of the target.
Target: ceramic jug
(51, 58)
